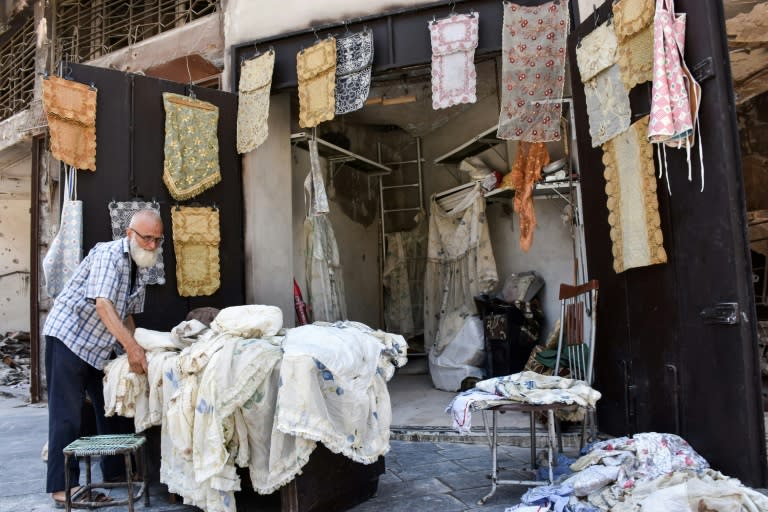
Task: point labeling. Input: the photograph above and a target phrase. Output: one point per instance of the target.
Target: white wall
(14, 256)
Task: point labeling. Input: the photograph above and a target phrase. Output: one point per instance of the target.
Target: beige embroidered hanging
(633, 24)
(196, 239)
(70, 108)
(633, 207)
(316, 71)
(253, 101)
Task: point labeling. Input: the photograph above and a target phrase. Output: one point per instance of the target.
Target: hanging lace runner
(608, 106)
(253, 101)
(325, 281)
(70, 108)
(120, 213)
(196, 239)
(316, 71)
(633, 24)
(533, 71)
(632, 202)
(676, 95)
(454, 78)
(354, 57)
(596, 51)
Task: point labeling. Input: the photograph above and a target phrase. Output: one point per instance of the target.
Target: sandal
(96, 497)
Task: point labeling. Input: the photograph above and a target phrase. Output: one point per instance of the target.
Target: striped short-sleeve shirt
(105, 273)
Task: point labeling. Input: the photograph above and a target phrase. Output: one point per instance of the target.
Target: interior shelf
(477, 144)
(543, 188)
(337, 155)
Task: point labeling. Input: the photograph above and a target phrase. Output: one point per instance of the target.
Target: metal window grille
(17, 65)
(87, 29)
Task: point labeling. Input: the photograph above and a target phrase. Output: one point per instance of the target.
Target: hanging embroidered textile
(66, 249)
(196, 239)
(403, 280)
(631, 16)
(70, 108)
(460, 266)
(526, 172)
(354, 57)
(676, 95)
(607, 106)
(325, 282)
(315, 197)
(633, 24)
(253, 101)
(596, 52)
(633, 207)
(454, 78)
(316, 71)
(120, 213)
(533, 71)
(191, 146)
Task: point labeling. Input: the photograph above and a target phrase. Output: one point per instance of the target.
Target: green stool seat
(102, 446)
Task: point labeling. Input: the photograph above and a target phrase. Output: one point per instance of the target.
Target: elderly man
(89, 318)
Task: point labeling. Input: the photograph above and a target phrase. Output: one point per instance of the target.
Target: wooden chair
(576, 345)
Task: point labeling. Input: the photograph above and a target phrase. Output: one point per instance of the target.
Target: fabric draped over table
(533, 71)
(460, 266)
(120, 214)
(196, 239)
(253, 101)
(526, 172)
(633, 206)
(70, 109)
(262, 403)
(316, 72)
(354, 57)
(404, 267)
(191, 163)
(454, 78)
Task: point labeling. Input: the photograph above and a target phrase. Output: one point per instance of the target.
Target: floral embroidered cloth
(607, 106)
(196, 238)
(191, 146)
(631, 16)
(354, 57)
(460, 266)
(633, 207)
(454, 78)
(597, 51)
(325, 280)
(316, 71)
(70, 108)
(253, 101)
(533, 71)
(120, 213)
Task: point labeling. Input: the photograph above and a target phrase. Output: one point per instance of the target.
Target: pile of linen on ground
(648, 472)
(246, 393)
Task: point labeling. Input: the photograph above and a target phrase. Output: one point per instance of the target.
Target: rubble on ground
(14, 359)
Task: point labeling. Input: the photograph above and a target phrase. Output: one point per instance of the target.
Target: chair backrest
(578, 323)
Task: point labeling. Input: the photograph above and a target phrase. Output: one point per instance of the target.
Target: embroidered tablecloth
(70, 108)
(196, 239)
(454, 78)
(316, 71)
(354, 57)
(253, 101)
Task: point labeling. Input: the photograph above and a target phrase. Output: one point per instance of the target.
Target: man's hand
(137, 359)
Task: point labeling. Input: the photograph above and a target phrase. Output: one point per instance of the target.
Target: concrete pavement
(420, 475)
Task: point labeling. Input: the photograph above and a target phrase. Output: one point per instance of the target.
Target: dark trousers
(69, 378)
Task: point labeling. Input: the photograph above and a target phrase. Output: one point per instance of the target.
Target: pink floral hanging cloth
(454, 78)
(676, 95)
(533, 71)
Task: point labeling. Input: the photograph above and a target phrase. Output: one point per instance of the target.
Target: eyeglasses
(149, 238)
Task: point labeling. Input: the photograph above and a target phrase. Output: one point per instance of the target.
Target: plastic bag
(463, 357)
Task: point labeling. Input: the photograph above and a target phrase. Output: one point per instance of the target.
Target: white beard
(142, 257)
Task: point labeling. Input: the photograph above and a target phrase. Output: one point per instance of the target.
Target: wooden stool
(101, 446)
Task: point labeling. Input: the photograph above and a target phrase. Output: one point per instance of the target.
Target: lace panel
(596, 52)
(196, 238)
(70, 109)
(253, 101)
(607, 106)
(633, 207)
(354, 57)
(631, 16)
(454, 77)
(533, 71)
(120, 213)
(316, 71)
(636, 58)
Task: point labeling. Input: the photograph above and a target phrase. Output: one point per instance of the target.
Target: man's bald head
(146, 218)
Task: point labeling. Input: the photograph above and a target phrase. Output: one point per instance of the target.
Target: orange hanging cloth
(531, 158)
